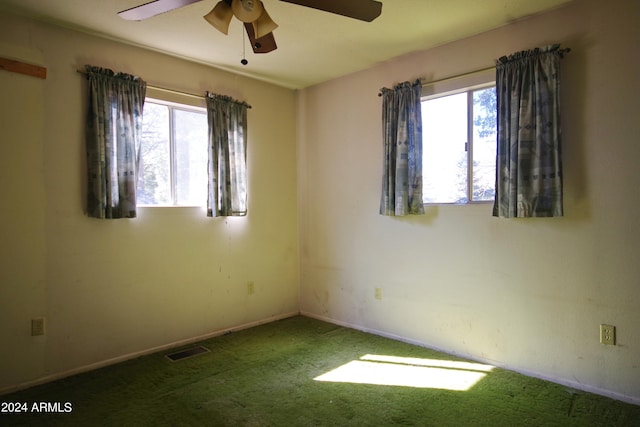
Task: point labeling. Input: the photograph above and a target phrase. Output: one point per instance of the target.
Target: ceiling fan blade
(264, 44)
(147, 10)
(364, 10)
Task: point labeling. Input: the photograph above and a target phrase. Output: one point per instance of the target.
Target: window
(459, 146)
(173, 155)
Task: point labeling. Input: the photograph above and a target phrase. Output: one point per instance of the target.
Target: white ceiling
(313, 46)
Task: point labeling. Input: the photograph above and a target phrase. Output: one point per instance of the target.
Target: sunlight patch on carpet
(409, 372)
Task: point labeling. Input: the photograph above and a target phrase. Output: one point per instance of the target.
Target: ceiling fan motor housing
(247, 10)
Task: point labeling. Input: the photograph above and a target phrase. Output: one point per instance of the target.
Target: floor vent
(179, 355)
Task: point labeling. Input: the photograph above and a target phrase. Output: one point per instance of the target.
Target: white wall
(110, 289)
(528, 294)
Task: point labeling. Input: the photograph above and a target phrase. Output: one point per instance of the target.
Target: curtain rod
(482, 70)
(424, 82)
(164, 89)
(161, 88)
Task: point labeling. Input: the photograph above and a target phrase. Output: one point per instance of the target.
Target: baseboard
(123, 358)
(567, 383)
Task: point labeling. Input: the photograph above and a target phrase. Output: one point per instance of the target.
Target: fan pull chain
(244, 58)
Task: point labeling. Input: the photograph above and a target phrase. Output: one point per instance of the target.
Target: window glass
(173, 155)
(191, 158)
(484, 144)
(444, 135)
(459, 146)
(154, 167)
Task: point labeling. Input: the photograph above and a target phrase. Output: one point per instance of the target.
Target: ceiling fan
(257, 23)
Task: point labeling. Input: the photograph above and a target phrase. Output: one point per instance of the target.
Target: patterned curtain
(402, 141)
(529, 164)
(114, 125)
(227, 156)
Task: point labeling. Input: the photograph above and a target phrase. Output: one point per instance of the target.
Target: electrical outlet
(37, 326)
(608, 334)
(251, 288)
(377, 293)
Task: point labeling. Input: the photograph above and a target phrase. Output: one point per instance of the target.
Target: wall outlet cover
(608, 334)
(37, 326)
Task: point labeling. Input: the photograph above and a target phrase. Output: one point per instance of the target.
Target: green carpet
(264, 376)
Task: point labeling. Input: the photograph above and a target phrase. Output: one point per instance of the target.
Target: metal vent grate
(183, 354)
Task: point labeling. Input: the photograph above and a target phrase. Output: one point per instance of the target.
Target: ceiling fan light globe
(220, 17)
(247, 10)
(264, 24)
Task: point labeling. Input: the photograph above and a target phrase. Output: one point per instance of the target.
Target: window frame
(177, 102)
(431, 92)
